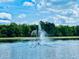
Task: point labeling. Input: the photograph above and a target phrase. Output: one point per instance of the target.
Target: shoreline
(55, 37)
(26, 39)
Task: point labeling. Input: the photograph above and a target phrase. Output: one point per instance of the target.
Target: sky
(60, 12)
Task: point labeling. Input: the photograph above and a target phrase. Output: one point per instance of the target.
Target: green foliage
(24, 30)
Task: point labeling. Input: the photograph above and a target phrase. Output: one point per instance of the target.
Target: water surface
(68, 49)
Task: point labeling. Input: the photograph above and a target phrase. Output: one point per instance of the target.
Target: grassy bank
(30, 38)
(17, 39)
(65, 37)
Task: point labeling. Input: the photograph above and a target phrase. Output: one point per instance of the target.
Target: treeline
(25, 30)
(16, 30)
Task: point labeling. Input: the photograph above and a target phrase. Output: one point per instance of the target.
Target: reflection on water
(45, 50)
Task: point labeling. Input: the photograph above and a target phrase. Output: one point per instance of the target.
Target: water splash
(41, 33)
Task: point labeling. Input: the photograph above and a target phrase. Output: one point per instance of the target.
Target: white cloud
(70, 15)
(35, 22)
(64, 20)
(6, 1)
(27, 4)
(5, 17)
(22, 16)
(67, 13)
(6, 21)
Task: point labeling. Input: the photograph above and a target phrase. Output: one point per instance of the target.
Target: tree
(3, 32)
(48, 27)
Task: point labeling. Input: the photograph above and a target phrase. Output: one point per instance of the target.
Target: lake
(59, 49)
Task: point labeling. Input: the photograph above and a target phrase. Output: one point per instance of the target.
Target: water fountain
(41, 32)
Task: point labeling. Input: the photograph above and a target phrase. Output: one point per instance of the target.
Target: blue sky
(65, 12)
